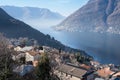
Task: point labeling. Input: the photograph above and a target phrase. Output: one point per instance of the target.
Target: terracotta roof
(71, 70)
(85, 66)
(105, 72)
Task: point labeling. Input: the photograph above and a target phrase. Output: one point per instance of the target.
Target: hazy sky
(64, 7)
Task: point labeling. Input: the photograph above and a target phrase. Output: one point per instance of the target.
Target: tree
(48, 36)
(43, 70)
(81, 58)
(5, 59)
(78, 57)
(23, 41)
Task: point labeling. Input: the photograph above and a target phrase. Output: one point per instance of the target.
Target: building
(18, 48)
(26, 48)
(23, 69)
(105, 73)
(32, 56)
(71, 72)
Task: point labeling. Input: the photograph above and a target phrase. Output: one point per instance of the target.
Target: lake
(104, 47)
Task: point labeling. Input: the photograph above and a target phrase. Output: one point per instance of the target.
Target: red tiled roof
(105, 72)
(85, 66)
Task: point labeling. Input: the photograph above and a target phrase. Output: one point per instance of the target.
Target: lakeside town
(49, 39)
(63, 65)
(71, 70)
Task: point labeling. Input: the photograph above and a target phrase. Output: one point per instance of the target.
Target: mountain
(96, 15)
(31, 13)
(13, 28)
(34, 15)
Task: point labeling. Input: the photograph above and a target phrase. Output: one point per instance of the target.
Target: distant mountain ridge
(96, 16)
(34, 16)
(13, 28)
(31, 13)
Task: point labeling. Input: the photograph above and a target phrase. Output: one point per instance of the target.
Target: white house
(32, 56)
(26, 48)
(18, 48)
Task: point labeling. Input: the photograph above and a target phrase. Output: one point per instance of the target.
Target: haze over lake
(104, 47)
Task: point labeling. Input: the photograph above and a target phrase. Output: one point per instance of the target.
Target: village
(64, 64)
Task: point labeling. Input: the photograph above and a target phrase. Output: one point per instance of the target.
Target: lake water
(104, 47)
